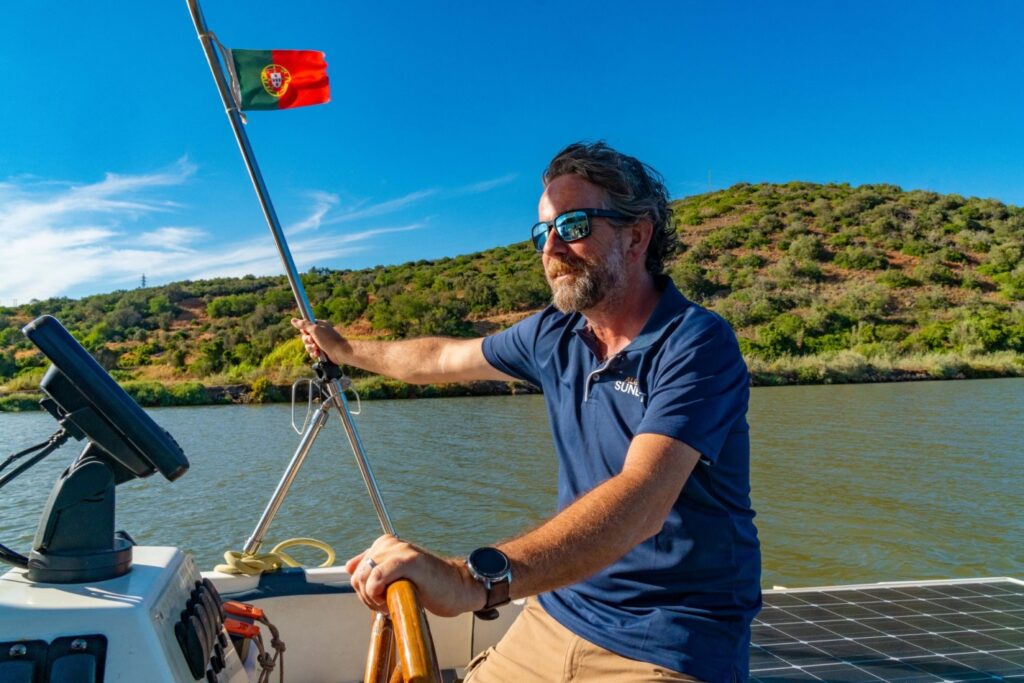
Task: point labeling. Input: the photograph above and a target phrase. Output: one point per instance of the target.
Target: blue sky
(118, 161)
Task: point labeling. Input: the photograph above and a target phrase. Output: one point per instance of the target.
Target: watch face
(489, 562)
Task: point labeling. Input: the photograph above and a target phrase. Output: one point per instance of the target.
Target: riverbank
(851, 367)
(844, 367)
(157, 394)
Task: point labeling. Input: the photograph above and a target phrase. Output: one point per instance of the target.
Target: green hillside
(823, 283)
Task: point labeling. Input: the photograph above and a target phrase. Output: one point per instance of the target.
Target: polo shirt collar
(671, 303)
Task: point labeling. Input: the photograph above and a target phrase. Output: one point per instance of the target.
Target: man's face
(587, 272)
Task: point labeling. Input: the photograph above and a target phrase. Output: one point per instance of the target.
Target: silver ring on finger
(370, 563)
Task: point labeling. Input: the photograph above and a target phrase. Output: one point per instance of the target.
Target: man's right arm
(424, 360)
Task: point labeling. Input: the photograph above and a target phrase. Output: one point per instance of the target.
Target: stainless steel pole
(335, 391)
(252, 545)
(235, 119)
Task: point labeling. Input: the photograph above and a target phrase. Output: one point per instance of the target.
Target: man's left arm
(593, 532)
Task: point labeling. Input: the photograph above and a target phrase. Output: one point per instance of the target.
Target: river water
(853, 483)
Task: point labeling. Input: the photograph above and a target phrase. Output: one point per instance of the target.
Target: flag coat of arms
(279, 79)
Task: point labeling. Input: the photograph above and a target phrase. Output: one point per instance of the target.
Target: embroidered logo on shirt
(629, 386)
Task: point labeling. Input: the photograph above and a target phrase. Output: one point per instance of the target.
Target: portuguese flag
(279, 79)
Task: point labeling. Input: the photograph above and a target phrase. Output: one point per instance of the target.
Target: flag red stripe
(309, 83)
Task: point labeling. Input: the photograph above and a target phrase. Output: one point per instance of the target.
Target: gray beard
(591, 284)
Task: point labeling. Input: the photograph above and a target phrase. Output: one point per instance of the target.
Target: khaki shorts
(537, 649)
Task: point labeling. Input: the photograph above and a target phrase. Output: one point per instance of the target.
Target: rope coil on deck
(254, 564)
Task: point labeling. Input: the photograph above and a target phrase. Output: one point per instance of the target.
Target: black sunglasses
(570, 226)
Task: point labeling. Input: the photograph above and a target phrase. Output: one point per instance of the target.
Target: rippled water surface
(851, 483)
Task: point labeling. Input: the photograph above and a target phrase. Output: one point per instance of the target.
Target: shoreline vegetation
(846, 367)
(823, 284)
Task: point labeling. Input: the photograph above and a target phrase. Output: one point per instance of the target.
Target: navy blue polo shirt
(684, 598)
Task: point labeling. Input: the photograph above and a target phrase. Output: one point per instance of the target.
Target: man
(651, 568)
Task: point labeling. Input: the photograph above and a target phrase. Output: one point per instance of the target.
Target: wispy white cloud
(59, 237)
(38, 205)
(485, 185)
(361, 211)
(322, 203)
(170, 237)
(259, 255)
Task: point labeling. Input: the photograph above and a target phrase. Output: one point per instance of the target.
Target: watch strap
(497, 595)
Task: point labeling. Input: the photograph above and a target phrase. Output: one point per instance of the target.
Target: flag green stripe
(248, 65)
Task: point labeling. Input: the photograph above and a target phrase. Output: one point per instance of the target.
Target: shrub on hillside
(928, 301)
(290, 353)
(794, 230)
(750, 260)
(344, 305)
(935, 272)
(1011, 285)
(1002, 258)
(689, 214)
(418, 314)
(188, 394)
(918, 247)
(160, 304)
(523, 292)
(969, 280)
(725, 238)
(148, 393)
(843, 238)
(783, 336)
(789, 272)
(932, 336)
(752, 305)
(861, 258)
(232, 306)
(975, 240)
(864, 301)
(950, 254)
(18, 403)
(806, 248)
(262, 391)
(692, 280)
(770, 223)
(7, 365)
(895, 279)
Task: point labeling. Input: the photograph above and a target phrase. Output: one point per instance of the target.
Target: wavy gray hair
(634, 189)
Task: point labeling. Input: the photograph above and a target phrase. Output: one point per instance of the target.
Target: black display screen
(489, 562)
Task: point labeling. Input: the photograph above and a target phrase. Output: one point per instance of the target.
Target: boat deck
(959, 630)
(926, 631)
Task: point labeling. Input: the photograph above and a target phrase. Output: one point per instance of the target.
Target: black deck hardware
(68, 659)
(200, 631)
(955, 631)
(76, 541)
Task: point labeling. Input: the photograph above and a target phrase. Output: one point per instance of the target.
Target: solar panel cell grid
(958, 631)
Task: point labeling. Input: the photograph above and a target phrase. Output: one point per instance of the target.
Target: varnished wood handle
(380, 661)
(415, 648)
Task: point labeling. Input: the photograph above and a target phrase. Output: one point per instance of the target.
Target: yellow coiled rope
(253, 564)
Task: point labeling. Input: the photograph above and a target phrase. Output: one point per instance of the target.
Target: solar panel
(960, 630)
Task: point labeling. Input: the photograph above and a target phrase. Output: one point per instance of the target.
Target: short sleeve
(513, 351)
(699, 389)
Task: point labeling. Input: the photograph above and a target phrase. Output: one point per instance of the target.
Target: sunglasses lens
(539, 235)
(572, 226)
